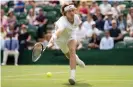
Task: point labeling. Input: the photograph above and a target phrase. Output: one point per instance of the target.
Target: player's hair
(63, 6)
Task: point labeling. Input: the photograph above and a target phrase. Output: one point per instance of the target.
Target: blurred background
(105, 37)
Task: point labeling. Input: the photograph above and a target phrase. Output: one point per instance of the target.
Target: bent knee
(72, 51)
(67, 55)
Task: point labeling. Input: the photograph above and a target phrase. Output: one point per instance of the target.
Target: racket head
(37, 52)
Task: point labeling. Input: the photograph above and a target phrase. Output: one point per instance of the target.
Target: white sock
(72, 73)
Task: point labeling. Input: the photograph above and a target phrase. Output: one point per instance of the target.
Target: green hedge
(105, 57)
(108, 57)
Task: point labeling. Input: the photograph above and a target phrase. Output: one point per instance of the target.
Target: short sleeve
(78, 19)
(60, 24)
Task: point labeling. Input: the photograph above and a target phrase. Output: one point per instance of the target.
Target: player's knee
(72, 51)
(67, 55)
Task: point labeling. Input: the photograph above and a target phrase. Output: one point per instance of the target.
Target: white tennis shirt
(69, 30)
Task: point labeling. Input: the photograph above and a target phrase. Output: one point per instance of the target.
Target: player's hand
(52, 40)
(50, 45)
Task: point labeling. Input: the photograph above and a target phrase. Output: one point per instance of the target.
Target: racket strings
(37, 51)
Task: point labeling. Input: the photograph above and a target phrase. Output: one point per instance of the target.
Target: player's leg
(78, 60)
(72, 51)
(66, 50)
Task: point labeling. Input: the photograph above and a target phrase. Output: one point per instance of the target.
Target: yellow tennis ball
(49, 74)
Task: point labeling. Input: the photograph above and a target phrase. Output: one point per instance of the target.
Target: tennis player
(65, 37)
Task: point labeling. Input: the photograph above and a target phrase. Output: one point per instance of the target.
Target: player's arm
(59, 29)
(79, 21)
(54, 37)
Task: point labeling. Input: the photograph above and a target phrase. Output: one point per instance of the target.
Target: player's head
(68, 10)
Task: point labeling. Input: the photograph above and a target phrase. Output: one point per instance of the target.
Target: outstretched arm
(54, 37)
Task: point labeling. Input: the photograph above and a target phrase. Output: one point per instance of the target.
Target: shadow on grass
(78, 84)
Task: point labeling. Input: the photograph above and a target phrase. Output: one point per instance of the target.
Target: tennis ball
(49, 74)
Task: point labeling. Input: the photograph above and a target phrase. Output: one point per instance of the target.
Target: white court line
(77, 80)
(35, 79)
(24, 75)
(33, 74)
(12, 71)
(111, 80)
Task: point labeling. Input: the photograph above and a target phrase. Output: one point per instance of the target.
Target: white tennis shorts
(63, 44)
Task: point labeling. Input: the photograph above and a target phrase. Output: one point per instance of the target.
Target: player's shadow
(78, 84)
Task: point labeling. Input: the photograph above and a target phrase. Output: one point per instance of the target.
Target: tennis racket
(37, 51)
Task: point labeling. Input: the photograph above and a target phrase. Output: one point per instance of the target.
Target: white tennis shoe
(71, 81)
(80, 63)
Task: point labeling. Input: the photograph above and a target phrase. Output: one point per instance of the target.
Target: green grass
(91, 76)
